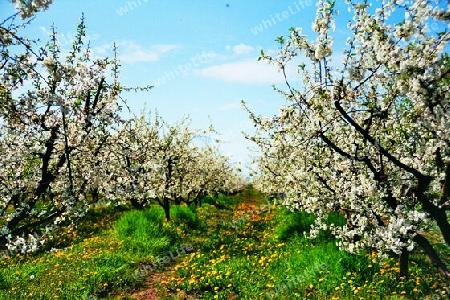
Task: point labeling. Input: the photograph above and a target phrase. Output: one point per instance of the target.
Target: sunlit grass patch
(144, 233)
(100, 261)
(94, 266)
(263, 257)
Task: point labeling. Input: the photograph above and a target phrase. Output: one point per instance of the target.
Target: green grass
(262, 256)
(268, 257)
(221, 201)
(145, 233)
(185, 216)
(107, 253)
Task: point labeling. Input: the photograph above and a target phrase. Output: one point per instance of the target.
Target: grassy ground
(230, 248)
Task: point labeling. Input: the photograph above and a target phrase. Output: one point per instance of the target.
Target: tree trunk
(136, 204)
(432, 254)
(167, 208)
(95, 195)
(403, 263)
(438, 214)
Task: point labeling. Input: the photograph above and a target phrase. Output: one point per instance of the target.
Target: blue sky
(201, 55)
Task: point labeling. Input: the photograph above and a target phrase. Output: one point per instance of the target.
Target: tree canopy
(367, 132)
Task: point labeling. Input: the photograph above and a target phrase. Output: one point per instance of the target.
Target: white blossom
(358, 140)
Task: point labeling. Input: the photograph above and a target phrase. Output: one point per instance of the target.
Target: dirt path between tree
(150, 288)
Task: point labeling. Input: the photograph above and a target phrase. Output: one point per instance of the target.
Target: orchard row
(65, 145)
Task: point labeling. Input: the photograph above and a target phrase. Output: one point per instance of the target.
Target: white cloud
(242, 49)
(131, 52)
(248, 71)
(103, 49)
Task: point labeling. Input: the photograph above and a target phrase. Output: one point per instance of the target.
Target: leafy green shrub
(333, 218)
(144, 232)
(293, 224)
(182, 214)
(228, 201)
(336, 219)
(297, 222)
(222, 201)
(209, 200)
